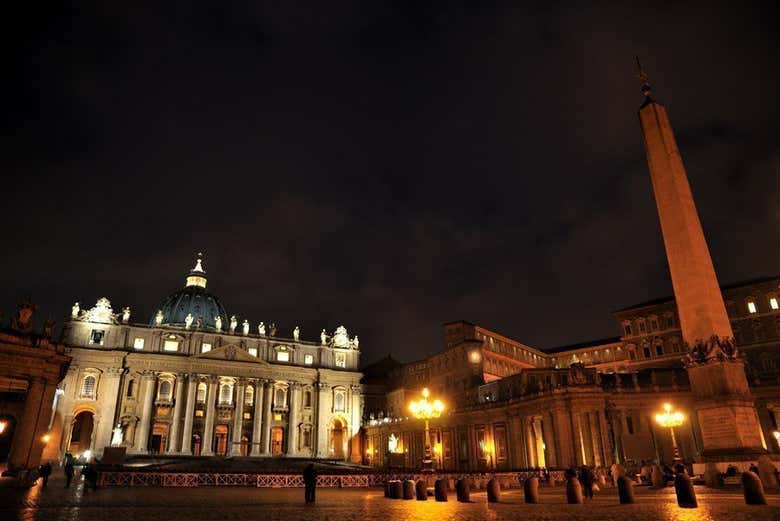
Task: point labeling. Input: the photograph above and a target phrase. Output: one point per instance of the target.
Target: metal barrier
(180, 479)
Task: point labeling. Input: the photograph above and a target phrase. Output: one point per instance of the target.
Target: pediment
(230, 352)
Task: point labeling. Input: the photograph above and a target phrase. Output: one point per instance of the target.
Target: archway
(337, 434)
(81, 433)
(7, 427)
(221, 440)
(277, 441)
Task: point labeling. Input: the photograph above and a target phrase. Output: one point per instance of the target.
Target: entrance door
(81, 433)
(221, 440)
(277, 436)
(196, 444)
(337, 437)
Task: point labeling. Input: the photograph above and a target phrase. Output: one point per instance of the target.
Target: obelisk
(724, 407)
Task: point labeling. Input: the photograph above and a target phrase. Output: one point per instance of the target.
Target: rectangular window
(199, 413)
(646, 352)
(752, 307)
(282, 356)
(205, 347)
(252, 351)
(171, 345)
(773, 303)
(308, 359)
(627, 329)
(247, 415)
(341, 360)
(641, 327)
(97, 336)
(659, 350)
(138, 343)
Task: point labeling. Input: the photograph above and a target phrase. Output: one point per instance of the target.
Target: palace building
(193, 381)
(512, 406)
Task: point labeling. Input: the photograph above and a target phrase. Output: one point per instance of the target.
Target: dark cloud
(379, 164)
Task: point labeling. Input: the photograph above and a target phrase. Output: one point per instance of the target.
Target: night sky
(379, 164)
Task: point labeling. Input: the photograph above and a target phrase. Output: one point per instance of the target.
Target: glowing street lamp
(776, 434)
(425, 410)
(671, 420)
(3, 425)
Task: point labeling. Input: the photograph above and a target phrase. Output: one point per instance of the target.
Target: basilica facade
(194, 381)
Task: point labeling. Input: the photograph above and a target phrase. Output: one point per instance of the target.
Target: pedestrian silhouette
(45, 471)
(310, 480)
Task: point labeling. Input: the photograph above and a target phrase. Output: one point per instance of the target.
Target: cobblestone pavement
(118, 504)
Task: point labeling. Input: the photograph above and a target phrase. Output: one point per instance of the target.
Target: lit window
(773, 303)
(280, 398)
(201, 392)
(252, 351)
(165, 390)
(341, 360)
(171, 345)
(205, 347)
(88, 387)
(199, 413)
(277, 417)
(338, 402)
(96, 338)
(308, 359)
(249, 395)
(138, 343)
(282, 356)
(247, 415)
(226, 394)
(752, 306)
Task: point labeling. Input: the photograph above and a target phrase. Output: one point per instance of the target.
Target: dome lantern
(197, 276)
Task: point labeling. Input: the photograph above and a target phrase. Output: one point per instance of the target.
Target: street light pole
(425, 410)
(671, 420)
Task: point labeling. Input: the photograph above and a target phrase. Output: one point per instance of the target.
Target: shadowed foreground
(117, 504)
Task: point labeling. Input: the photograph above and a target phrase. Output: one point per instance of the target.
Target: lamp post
(671, 420)
(425, 410)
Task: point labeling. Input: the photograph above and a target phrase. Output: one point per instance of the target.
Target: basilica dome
(191, 304)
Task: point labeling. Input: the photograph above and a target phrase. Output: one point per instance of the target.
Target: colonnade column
(292, 419)
(238, 419)
(178, 405)
(189, 413)
(530, 445)
(142, 433)
(268, 390)
(108, 394)
(322, 436)
(33, 424)
(257, 415)
(208, 429)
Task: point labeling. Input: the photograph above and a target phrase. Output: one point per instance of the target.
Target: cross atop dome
(646, 89)
(197, 276)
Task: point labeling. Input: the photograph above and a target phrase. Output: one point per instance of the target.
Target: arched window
(201, 392)
(164, 393)
(130, 388)
(249, 395)
(225, 394)
(88, 387)
(280, 397)
(338, 401)
(307, 398)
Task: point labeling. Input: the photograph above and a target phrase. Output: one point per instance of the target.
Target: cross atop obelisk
(696, 289)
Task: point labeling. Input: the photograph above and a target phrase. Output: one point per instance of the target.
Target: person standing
(310, 480)
(587, 478)
(68, 469)
(45, 471)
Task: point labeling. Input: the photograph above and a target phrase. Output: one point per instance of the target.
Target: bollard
(409, 486)
(657, 477)
(531, 490)
(440, 490)
(753, 489)
(625, 490)
(462, 490)
(396, 489)
(683, 487)
(573, 491)
(421, 489)
(493, 491)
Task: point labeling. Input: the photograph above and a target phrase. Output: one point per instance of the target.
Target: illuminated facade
(197, 381)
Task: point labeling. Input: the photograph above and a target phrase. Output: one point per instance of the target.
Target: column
(595, 438)
(530, 445)
(178, 405)
(257, 416)
(606, 443)
(321, 428)
(579, 440)
(208, 429)
(189, 414)
(292, 419)
(28, 443)
(238, 419)
(356, 413)
(268, 390)
(142, 434)
(108, 394)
